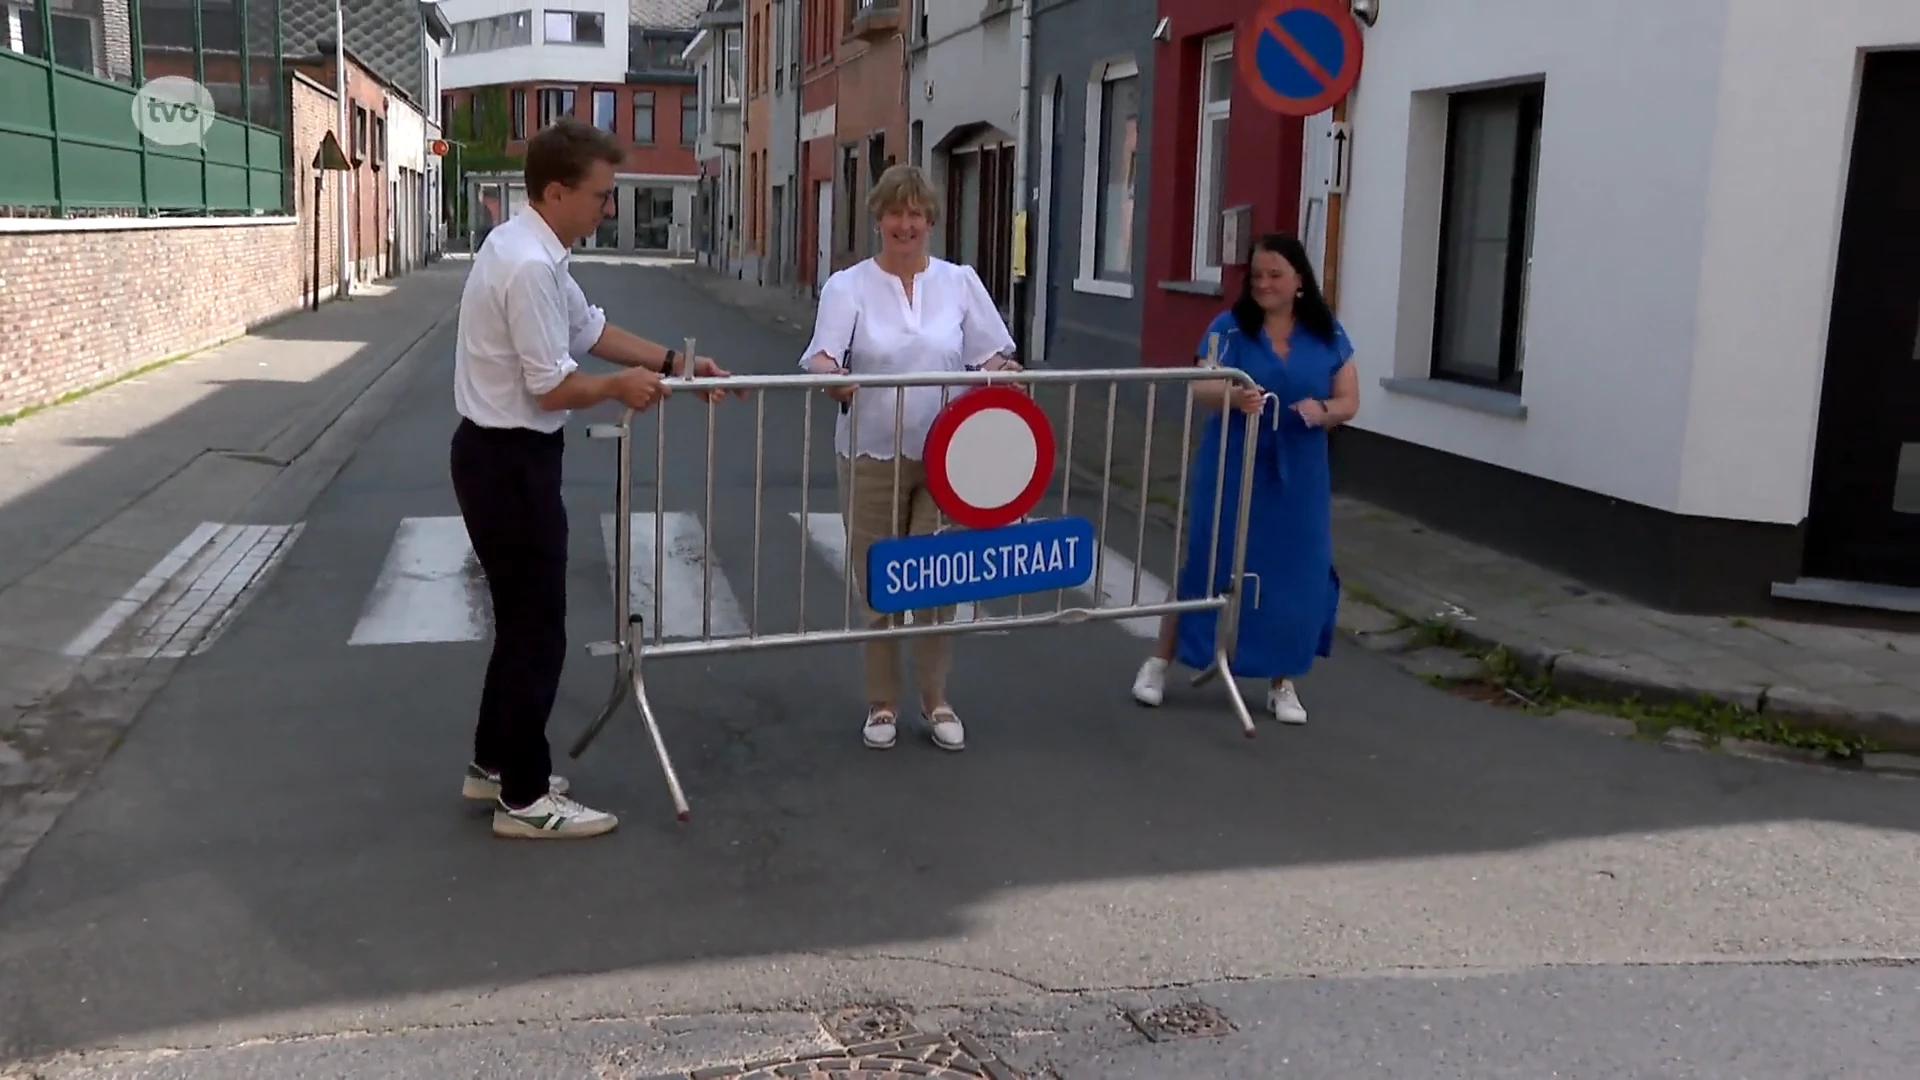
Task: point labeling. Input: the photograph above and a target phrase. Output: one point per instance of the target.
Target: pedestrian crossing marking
(683, 541)
(829, 539)
(430, 588)
(1115, 577)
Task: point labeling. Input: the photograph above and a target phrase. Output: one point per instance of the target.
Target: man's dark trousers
(507, 481)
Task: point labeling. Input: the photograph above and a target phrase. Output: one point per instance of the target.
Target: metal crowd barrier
(632, 649)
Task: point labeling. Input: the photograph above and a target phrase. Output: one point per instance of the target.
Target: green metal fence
(68, 144)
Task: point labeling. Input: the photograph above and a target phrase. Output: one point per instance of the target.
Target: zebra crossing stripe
(682, 585)
(829, 539)
(430, 588)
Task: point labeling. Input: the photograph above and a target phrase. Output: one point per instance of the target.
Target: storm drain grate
(869, 1023)
(1188, 1020)
(954, 1056)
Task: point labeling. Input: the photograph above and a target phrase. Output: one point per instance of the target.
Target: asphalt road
(1411, 886)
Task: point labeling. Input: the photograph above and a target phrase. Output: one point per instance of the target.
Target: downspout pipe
(1023, 152)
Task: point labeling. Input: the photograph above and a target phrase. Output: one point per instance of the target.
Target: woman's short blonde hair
(904, 186)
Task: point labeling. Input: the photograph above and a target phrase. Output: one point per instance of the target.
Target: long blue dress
(1287, 616)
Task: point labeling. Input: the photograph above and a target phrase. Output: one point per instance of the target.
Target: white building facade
(522, 41)
(963, 110)
(717, 57)
(1631, 303)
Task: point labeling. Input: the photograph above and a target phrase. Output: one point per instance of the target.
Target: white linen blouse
(950, 325)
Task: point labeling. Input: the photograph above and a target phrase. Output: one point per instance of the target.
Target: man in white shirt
(522, 317)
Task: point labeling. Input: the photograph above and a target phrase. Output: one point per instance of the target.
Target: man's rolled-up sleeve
(585, 321)
(537, 320)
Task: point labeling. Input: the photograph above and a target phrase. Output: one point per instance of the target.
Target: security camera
(1367, 11)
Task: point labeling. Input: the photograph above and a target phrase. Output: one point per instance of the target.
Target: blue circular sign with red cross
(1300, 57)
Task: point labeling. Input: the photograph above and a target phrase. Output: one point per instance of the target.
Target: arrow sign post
(1300, 57)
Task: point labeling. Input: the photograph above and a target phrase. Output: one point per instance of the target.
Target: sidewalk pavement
(134, 520)
(1512, 633)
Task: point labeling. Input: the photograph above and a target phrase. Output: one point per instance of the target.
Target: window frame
(1206, 205)
(690, 118)
(1093, 163)
(651, 105)
(1527, 101)
(732, 63)
(573, 27)
(612, 98)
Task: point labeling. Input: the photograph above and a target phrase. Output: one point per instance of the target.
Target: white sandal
(945, 728)
(879, 732)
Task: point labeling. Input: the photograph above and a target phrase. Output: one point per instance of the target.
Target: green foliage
(481, 129)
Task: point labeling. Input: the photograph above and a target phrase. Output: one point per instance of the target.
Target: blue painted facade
(1074, 44)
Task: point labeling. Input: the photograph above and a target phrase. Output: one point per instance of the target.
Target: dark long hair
(1310, 309)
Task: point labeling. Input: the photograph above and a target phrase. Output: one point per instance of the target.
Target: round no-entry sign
(989, 457)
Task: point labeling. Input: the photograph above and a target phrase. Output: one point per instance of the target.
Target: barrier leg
(629, 634)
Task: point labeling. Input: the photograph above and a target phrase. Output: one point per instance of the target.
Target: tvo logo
(173, 111)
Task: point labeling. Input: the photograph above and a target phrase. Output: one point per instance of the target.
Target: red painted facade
(661, 154)
(1262, 170)
(819, 89)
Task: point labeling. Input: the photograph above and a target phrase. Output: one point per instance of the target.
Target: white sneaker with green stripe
(551, 817)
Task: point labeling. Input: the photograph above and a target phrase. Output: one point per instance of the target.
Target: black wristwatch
(667, 368)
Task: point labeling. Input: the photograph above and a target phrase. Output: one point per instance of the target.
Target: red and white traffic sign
(989, 457)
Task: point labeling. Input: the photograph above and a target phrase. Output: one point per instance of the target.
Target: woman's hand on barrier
(1002, 362)
(1247, 399)
(841, 394)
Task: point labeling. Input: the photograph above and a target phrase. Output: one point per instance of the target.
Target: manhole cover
(1193, 1020)
(869, 1023)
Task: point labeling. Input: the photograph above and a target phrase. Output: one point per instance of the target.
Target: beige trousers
(870, 511)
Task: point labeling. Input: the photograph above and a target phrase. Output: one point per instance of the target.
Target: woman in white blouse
(898, 312)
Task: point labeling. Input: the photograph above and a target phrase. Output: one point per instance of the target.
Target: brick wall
(91, 300)
(367, 197)
(87, 305)
(315, 113)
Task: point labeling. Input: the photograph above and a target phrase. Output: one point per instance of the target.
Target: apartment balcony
(874, 19)
(724, 126)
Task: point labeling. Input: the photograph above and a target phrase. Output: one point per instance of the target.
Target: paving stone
(1876, 713)
(1596, 722)
(1906, 764)
(1437, 662)
(1360, 617)
(1793, 755)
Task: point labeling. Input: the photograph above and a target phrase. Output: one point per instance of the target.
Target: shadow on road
(280, 834)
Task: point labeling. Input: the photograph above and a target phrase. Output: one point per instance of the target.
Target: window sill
(1478, 399)
(1193, 288)
(1096, 287)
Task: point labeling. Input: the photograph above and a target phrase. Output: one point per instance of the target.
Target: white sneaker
(1284, 703)
(879, 731)
(1150, 686)
(551, 817)
(946, 731)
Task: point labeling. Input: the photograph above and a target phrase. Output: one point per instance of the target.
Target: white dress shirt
(522, 317)
(950, 325)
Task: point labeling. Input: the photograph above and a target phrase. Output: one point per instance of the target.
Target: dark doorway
(1863, 522)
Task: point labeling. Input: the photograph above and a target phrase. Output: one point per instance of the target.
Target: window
(689, 118)
(730, 75)
(1486, 235)
(1210, 173)
(517, 123)
(576, 27)
(603, 102)
(643, 116)
(553, 105)
(1110, 178)
(484, 34)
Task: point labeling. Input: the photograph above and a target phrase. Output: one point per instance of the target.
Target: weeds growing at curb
(1506, 682)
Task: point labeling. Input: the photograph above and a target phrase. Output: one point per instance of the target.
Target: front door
(1863, 522)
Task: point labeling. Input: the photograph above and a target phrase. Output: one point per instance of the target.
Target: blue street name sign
(961, 567)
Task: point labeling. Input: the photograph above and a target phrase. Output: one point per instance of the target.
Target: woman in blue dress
(1282, 333)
